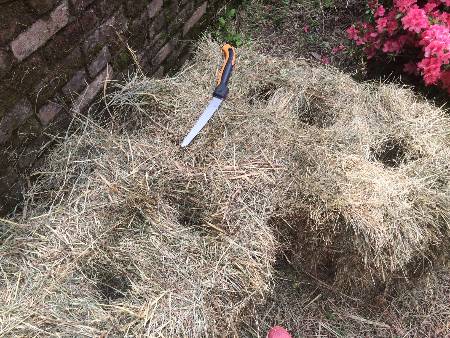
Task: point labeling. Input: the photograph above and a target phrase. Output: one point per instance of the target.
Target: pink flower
(325, 60)
(306, 28)
(379, 12)
(434, 32)
(430, 6)
(391, 46)
(442, 17)
(415, 20)
(381, 24)
(436, 42)
(392, 23)
(418, 29)
(431, 70)
(404, 5)
(338, 49)
(352, 33)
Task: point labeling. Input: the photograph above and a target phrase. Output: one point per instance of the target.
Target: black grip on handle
(221, 90)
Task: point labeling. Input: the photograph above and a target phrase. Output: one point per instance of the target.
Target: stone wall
(55, 56)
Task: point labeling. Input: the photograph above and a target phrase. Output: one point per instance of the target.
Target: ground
(311, 29)
(315, 30)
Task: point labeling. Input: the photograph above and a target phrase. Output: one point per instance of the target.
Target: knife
(219, 95)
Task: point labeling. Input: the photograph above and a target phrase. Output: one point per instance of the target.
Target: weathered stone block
(106, 34)
(154, 7)
(163, 53)
(99, 62)
(40, 32)
(157, 26)
(57, 77)
(198, 14)
(91, 91)
(48, 112)
(75, 85)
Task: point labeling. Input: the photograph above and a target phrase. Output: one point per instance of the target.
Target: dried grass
(124, 233)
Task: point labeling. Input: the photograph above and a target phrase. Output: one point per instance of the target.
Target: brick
(155, 28)
(60, 123)
(106, 34)
(16, 117)
(40, 32)
(14, 18)
(198, 14)
(154, 7)
(94, 88)
(76, 84)
(5, 63)
(42, 6)
(63, 42)
(57, 77)
(162, 54)
(99, 62)
(159, 72)
(179, 55)
(48, 112)
(146, 58)
(176, 24)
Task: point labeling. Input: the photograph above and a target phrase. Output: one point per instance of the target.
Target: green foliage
(225, 28)
(328, 4)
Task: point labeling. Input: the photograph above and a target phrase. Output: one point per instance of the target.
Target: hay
(125, 233)
(310, 308)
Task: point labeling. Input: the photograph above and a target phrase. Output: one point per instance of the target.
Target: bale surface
(125, 233)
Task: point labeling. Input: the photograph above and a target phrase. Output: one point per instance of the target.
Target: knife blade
(219, 95)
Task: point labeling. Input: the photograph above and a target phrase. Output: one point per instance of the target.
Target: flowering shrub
(417, 30)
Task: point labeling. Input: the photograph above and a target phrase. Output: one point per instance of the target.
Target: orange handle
(224, 73)
(226, 54)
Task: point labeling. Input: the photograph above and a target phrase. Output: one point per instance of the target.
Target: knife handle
(224, 75)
